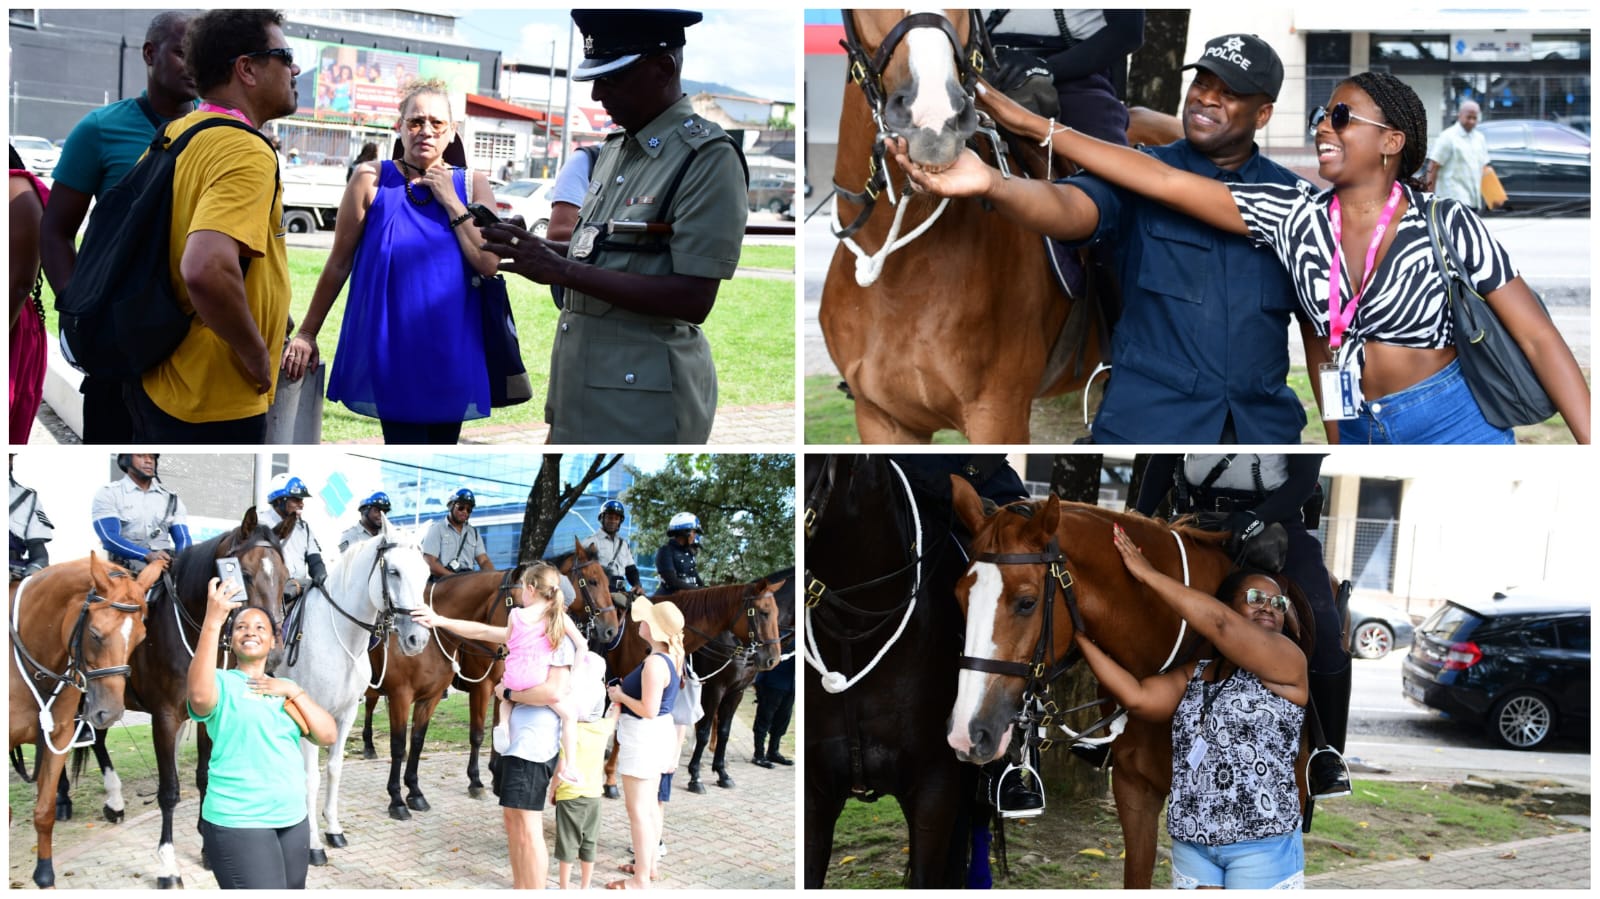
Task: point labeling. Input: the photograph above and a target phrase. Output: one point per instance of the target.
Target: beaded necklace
(428, 197)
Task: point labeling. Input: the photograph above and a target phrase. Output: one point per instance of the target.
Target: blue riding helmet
(379, 499)
(612, 505)
(286, 486)
(463, 496)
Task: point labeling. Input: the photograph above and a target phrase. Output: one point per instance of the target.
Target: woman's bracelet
(296, 697)
(456, 222)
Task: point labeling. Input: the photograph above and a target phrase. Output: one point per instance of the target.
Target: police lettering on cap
(614, 39)
(1245, 63)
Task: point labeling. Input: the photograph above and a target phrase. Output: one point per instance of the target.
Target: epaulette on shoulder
(697, 131)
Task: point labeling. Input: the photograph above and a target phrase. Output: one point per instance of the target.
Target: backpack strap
(178, 144)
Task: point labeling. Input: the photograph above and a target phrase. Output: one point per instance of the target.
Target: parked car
(1538, 163)
(529, 198)
(771, 194)
(1376, 628)
(1516, 663)
(38, 154)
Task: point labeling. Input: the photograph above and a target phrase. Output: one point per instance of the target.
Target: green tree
(549, 500)
(745, 503)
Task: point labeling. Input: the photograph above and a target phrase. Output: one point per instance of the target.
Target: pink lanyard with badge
(1339, 318)
(208, 106)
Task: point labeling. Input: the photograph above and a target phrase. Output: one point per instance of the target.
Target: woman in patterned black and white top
(1395, 339)
(1234, 815)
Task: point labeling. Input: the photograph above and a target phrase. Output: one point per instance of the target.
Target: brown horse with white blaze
(82, 622)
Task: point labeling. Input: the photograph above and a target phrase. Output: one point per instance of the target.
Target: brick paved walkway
(1543, 863)
(741, 838)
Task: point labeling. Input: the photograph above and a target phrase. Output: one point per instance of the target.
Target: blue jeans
(1270, 863)
(1437, 409)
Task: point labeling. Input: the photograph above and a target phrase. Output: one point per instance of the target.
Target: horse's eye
(1026, 604)
(96, 636)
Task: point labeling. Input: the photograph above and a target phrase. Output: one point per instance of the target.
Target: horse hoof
(113, 815)
(399, 813)
(725, 782)
(319, 857)
(417, 803)
(44, 874)
(611, 792)
(64, 810)
(477, 792)
(335, 840)
(169, 883)
(369, 753)
(696, 786)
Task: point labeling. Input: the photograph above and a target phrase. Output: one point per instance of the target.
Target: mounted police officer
(613, 551)
(1245, 494)
(675, 563)
(137, 519)
(452, 544)
(660, 228)
(286, 497)
(30, 529)
(371, 524)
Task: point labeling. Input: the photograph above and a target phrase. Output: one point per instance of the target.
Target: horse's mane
(701, 605)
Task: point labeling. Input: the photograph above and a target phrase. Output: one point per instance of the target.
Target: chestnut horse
(881, 634)
(747, 611)
(1043, 569)
(418, 683)
(54, 668)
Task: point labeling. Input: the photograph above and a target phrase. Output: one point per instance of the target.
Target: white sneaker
(661, 850)
(502, 737)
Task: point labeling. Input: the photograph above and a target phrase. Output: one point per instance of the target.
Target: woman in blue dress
(410, 351)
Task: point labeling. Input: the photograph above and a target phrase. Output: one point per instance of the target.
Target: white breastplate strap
(833, 681)
(870, 266)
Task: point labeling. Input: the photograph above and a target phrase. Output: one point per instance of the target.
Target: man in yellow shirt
(229, 264)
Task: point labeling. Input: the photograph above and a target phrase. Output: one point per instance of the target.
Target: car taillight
(1462, 656)
(503, 207)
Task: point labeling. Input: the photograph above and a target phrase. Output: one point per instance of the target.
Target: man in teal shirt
(99, 151)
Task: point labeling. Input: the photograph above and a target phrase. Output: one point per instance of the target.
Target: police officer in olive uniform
(30, 529)
(451, 544)
(372, 510)
(660, 228)
(137, 519)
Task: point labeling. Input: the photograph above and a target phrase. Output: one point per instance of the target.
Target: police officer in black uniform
(675, 564)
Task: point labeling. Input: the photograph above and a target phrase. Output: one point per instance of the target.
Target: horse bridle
(181, 615)
(581, 584)
(867, 73)
(753, 643)
(76, 675)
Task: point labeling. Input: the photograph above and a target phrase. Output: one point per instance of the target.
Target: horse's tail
(78, 755)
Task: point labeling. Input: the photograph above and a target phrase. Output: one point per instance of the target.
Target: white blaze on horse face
(983, 601)
(127, 631)
(266, 567)
(933, 68)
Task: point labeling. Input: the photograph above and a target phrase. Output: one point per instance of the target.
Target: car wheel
(775, 205)
(298, 221)
(541, 227)
(1371, 640)
(1523, 721)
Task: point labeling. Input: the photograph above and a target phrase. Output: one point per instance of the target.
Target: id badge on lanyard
(1341, 398)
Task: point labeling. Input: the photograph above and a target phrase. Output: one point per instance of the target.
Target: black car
(1538, 163)
(1518, 664)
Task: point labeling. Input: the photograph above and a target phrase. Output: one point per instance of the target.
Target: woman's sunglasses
(1255, 599)
(1339, 117)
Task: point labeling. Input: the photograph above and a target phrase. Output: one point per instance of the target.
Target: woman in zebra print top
(1395, 339)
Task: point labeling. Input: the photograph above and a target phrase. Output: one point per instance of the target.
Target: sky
(753, 50)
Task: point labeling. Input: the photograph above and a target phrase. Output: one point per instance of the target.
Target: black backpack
(120, 315)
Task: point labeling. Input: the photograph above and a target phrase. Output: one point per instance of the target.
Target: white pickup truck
(311, 195)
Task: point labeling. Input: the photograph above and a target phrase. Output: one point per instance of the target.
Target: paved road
(741, 838)
(1560, 862)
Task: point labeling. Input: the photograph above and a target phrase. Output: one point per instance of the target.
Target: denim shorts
(1437, 409)
(1270, 863)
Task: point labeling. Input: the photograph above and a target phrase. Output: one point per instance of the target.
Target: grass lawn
(751, 331)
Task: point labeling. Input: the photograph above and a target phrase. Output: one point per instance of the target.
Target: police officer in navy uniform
(137, 519)
(1200, 354)
(30, 529)
(660, 228)
(1243, 493)
(372, 510)
(675, 563)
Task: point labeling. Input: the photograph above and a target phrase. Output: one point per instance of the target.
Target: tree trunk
(1074, 477)
(1155, 78)
(549, 501)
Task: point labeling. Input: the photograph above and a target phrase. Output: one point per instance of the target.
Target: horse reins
(474, 647)
(867, 73)
(75, 676)
(753, 643)
(581, 583)
(378, 629)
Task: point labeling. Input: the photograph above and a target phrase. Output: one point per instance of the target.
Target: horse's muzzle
(979, 743)
(933, 140)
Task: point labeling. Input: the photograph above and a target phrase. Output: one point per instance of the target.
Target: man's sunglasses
(284, 53)
(1339, 117)
(1255, 599)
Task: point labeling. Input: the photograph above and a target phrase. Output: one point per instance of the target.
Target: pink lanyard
(1339, 318)
(208, 106)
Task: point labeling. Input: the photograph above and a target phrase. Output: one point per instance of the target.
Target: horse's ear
(969, 508)
(1047, 518)
(248, 525)
(151, 574)
(99, 577)
(577, 550)
(775, 586)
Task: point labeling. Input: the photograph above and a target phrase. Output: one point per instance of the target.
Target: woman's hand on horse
(220, 600)
(1011, 115)
(425, 616)
(967, 176)
(1132, 555)
(300, 355)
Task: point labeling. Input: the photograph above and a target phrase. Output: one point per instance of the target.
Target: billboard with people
(364, 84)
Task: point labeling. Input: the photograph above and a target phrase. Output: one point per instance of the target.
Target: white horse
(372, 588)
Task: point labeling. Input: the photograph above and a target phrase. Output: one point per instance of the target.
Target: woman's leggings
(402, 432)
(258, 858)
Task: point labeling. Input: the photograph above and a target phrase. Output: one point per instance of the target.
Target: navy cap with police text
(614, 39)
(1244, 62)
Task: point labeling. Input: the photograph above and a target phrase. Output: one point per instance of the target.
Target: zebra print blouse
(1405, 303)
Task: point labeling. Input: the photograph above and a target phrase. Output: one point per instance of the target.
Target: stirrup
(1027, 792)
(1334, 787)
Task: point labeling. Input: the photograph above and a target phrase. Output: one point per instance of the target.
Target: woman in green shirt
(253, 819)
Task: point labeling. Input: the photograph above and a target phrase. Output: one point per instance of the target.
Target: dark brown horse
(418, 683)
(747, 611)
(71, 645)
(725, 670)
(1042, 569)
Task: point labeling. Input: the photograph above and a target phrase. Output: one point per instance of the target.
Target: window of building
(491, 149)
(26, 18)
